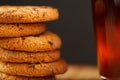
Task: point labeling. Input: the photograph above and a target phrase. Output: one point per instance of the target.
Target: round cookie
(10, 77)
(46, 41)
(34, 70)
(27, 14)
(28, 57)
(16, 30)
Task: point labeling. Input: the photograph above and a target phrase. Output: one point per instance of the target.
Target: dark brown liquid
(107, 32)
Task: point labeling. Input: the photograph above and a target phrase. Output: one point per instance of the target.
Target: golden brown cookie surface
(10, 77)
(34, 70)
(28, 57)
(17, 30)
(47, 41)
(27, 14)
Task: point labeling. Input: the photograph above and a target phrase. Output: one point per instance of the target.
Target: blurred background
(75, 27)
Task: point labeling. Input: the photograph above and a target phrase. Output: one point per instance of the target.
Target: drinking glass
(106, 15)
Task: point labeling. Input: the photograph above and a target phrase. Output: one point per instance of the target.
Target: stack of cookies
(27, 50)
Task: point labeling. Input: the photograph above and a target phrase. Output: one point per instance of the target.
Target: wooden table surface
(80, 72)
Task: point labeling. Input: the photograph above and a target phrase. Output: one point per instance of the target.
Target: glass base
(112, 78)
(103, 78)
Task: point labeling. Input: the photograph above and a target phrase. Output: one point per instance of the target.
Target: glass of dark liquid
(106, 15)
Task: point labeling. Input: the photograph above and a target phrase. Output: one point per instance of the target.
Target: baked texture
(27, 14)
(34, 70)
(28, 57)
(46, 41)
(17, 30)
(10, 77)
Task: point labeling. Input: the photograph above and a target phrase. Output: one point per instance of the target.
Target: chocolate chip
(43, 60)
(43, 14)
(31, 65)
(51, 43)
(20, 28)
(35, 9)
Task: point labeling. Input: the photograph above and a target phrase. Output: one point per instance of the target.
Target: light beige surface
(80, 72)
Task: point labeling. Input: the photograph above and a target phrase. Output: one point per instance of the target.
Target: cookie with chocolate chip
(4, 76)
(27, 14)
(17, 30)
(28, 57)
(46, 41)
(34, 70)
